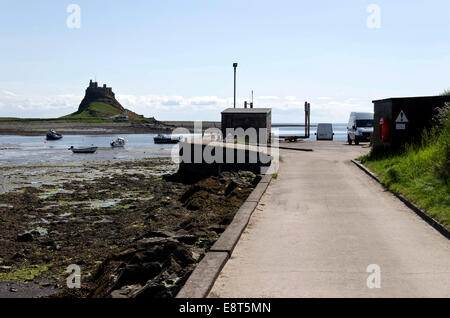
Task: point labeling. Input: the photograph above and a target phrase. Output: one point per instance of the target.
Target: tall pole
(306, 119)
(235, 66)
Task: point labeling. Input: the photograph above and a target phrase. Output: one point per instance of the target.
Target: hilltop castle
(94, 90)
(104, 94)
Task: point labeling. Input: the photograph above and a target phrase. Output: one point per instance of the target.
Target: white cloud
(185, 108)
(172, 101)
(207, 100)
(269, 97)
(37, 106)
(8, 93)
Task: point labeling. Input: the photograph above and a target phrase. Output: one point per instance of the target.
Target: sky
(173, 59)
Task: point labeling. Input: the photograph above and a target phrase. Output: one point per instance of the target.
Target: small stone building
(404, 118)
(249, 118)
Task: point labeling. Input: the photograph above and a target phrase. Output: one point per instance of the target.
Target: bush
(442, 159)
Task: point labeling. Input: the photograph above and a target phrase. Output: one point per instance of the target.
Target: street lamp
(235, 66)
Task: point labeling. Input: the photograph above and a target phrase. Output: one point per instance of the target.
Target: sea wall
(200, 158)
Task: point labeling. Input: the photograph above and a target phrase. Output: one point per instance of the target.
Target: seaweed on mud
(83, 226)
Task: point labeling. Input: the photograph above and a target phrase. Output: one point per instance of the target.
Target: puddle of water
(34, 172)
(104, 220)
(103, 204)
(47, 194)
(41, 231)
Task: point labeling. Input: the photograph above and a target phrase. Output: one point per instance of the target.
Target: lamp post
(235, 66)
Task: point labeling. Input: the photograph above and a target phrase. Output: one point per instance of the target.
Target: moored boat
(119, 142)
(83, 149)
(163, 139)
(53, 135)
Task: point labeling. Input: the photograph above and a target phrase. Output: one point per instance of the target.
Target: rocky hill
(100, 102)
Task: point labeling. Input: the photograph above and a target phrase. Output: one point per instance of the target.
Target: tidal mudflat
(133, 227)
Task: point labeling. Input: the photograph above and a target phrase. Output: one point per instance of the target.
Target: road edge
(205, 274)
(428, 219)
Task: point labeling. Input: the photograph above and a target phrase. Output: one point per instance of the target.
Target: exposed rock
(18, 256)
(149, 250)
(217, 228)
(154, 262)
(25, 237)
(125, 292)
(153, 290)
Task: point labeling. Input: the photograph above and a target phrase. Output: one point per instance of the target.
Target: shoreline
(74, 128)
(38, 129)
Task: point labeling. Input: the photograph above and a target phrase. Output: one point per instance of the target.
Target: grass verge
(421, 173)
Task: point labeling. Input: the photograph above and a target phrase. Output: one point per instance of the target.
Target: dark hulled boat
(53, 135)
(163, 139)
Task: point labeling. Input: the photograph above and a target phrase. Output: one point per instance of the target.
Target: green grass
(88, 120)
(54, 120)
(96, 110)
(25, 274)
(421, 173)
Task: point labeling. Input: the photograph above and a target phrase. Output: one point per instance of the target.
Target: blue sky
(173, 59)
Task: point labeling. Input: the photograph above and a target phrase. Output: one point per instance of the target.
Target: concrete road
(321, 224)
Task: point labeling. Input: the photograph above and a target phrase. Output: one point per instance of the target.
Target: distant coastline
(36, 127)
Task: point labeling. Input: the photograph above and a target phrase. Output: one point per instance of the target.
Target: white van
(324, 132)
(360, 127)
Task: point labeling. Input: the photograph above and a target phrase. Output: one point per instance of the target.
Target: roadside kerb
(435, 224)
(202, 279)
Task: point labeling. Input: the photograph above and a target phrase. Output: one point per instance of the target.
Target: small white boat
(119, 142)
(83, 149)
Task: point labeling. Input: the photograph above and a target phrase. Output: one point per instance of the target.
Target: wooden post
(309, 119)
(306, 120)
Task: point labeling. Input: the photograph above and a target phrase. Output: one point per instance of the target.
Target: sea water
(339, 129)
(26, 150)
